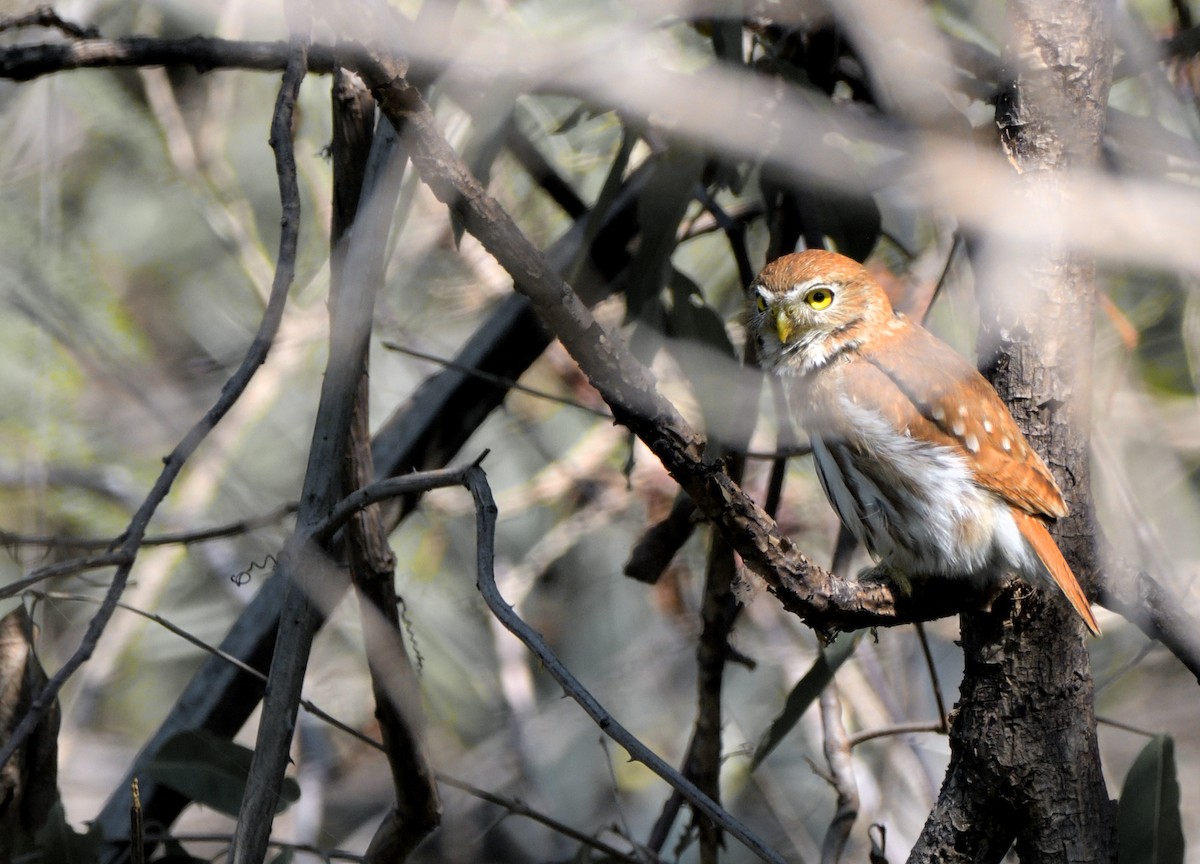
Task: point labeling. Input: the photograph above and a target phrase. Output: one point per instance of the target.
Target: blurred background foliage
(138, 220)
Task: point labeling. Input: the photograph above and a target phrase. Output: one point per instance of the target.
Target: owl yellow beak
(783, 325)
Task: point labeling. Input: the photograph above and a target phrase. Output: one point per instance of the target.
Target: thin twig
(735, 233)
(1128, 727)
(897, 729)
(67, 568)
(1131, 664)
(841, 774)
(25, 62)
(518, 807)
(44, 16)
(514, 807)
(180, 538)
(933, 676)
(476, 482)
(506, 383)
(326, 854)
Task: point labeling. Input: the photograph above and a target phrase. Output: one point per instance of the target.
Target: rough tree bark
(1025, 767)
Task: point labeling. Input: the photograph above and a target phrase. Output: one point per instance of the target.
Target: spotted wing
(961, 410)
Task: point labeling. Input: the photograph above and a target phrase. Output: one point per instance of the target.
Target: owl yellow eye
(760, 303)
(819, 298)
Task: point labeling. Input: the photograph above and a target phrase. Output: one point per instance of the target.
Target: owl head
(806, 309)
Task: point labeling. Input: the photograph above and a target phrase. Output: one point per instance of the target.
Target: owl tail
(1044, 547)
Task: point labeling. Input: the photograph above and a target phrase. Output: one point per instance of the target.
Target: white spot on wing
(972, 443)
(987, 425)
(939, 414)
(962, 410)
(1005, 445)
(959, 428)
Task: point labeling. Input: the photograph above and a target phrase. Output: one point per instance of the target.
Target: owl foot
(885, 573)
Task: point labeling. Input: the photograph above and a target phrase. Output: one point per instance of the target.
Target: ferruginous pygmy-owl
(914, 449)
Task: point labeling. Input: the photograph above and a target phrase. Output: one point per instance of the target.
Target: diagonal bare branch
(485, 516)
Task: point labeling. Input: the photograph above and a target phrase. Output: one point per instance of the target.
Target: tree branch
(1149, 605)
(25, 62)
(841, 770)
(291, 650)
(358, 150)
(485, 514)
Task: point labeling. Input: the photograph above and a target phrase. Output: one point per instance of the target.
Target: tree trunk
(1025, 767)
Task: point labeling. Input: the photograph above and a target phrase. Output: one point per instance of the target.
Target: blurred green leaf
(1148, 820)
(805, 692)
(210, 770)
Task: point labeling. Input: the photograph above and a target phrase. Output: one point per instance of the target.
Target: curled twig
(242, 577)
